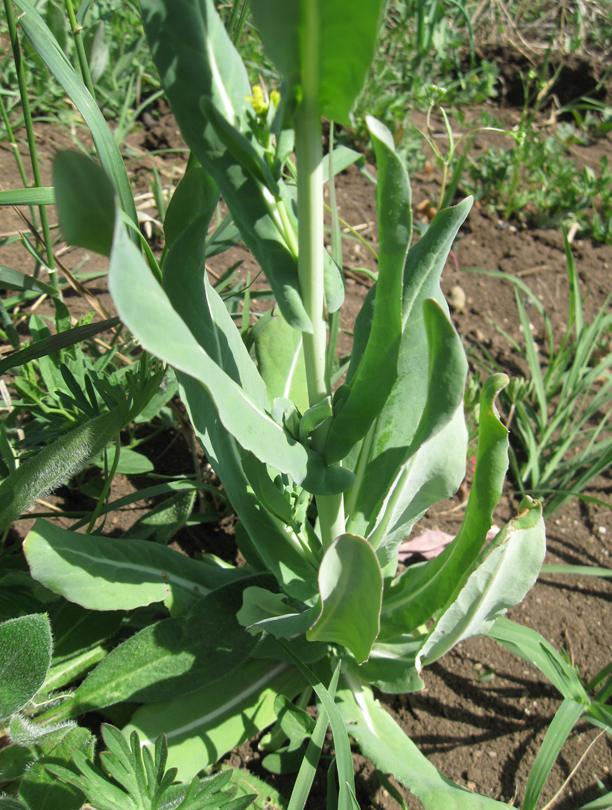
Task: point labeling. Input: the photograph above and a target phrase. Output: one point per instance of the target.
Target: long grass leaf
(559, 730)
(52, 55)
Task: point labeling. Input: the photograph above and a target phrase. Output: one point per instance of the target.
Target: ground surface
(483, 713)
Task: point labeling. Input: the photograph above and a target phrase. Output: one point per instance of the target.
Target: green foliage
(561, 420)
(25, 656)
(135, 779)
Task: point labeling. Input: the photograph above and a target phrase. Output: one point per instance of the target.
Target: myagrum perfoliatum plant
(326, 484)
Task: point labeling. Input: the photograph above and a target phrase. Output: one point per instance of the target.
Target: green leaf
(14, 761)
(391, 666)
(14, 280)
(427, 474)
(50, 52)
(240, 147)
(54, 343)
(372, 380)
(350, 588)
(57, 463)
(76, 629)
(568, 714)
(163, 521)
(529, 645)
(195, 58)
(25, 657)
(383, 454)
(420, 591)
(280, 357)
(114, 574)
(500, 578)
(85, 200)
(171, 658)
(276, 543)
(344, 759)
(8, 803)
(206, 315)
(28, 196)
(271, 612)
(130, 461)
(382, 741)
(296, 723)
(204, 725)
(143, 305)
(40, 790)
(308, 41)
(195, 196)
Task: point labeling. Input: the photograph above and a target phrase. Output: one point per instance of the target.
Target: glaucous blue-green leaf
(57, 463)
(500, 578)
(385, 448)
(85, 199)
(420, 591)
(390, 750)
(195, 196)
(391, 666)
(171, 658)
(194, 58)
(204, 725)
(204, 312)
(443, 413)
(25, 656)
(350, 589)
(146, 310)
(115, 574)
(50, 52)
(239, 146)
(280, 550)
(325, 45)
(280, 357)
(270, 612)
(373, 378)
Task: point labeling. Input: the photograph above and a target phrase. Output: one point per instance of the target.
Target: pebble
(602, 530)
(457, 298)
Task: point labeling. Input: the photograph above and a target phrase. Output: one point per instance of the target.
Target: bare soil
(483, 713)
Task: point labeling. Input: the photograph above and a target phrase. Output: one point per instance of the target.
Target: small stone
(492, 754)
(457, 298)
(478, 335)
(602, 530)
(471, 786)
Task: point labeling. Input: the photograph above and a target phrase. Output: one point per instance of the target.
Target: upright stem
(78, 38)
(309, 155)
(27, 118)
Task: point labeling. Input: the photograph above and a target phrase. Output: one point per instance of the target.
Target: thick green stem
(310, 269)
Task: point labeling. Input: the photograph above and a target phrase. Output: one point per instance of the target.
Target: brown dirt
(483, 713)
